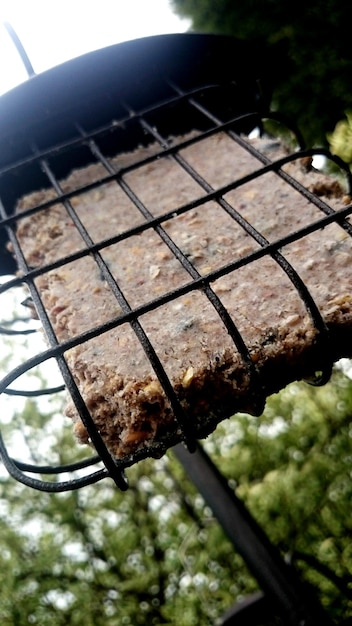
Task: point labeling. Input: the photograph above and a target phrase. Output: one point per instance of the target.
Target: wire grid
(149, 125)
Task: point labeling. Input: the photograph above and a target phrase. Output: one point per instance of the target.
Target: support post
(279, 581)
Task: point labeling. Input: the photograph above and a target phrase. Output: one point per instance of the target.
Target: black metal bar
(292, 599)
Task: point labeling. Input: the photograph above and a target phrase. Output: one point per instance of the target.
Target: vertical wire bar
(190, 268)
(284, 175)
(182, 418)
(293, 276)
(114, 472)
(187, 427)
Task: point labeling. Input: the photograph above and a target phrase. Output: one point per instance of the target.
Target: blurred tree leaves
(312, 67)
(155, 554)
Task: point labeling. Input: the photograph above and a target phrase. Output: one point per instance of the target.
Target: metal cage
(114, 100)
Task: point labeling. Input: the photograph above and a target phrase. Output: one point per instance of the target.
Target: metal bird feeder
(81, 112)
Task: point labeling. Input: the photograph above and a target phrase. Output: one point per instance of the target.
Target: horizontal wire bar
(179, 291)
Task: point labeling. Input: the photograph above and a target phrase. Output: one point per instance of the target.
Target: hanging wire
(20, 49)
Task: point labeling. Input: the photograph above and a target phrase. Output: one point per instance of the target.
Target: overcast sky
(52, 32)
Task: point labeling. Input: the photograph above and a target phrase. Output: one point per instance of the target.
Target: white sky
(53, 32)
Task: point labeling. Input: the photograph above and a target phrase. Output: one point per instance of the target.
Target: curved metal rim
(127, 65)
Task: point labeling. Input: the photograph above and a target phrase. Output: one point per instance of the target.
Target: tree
(297, 482)
(313, 66)
(99, 556)
(155, 554)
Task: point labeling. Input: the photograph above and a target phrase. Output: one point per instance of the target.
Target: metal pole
(277, 579)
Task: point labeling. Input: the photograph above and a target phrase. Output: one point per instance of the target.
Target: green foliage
(155, 554)
(99, 556)
(312, 67)
(293, 469)
(340, 140)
